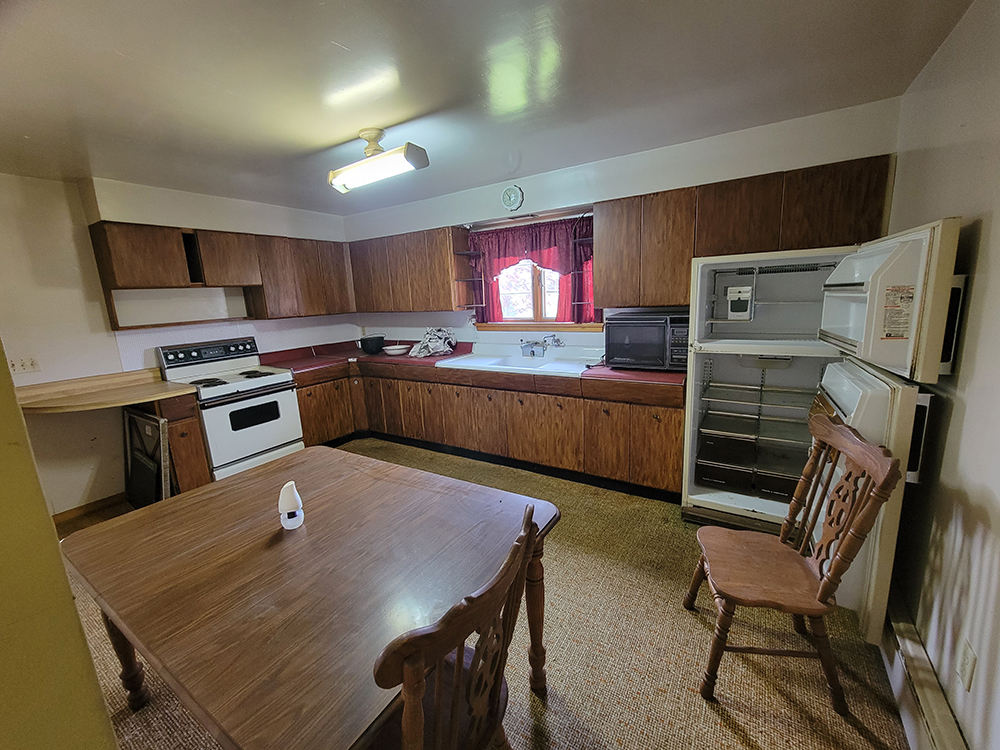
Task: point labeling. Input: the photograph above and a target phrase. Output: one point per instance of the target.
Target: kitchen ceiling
(258, 100)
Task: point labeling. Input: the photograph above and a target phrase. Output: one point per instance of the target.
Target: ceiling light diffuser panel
(406, 158)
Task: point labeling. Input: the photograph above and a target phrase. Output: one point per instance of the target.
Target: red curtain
(552, 245)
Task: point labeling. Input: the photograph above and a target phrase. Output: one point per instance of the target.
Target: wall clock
(512, 198)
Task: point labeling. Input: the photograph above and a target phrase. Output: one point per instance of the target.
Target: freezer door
(888, 303)
(881, 407)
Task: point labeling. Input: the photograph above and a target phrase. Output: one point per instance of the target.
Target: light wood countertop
(98, 392)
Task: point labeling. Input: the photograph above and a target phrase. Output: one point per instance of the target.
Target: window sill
(540, 325)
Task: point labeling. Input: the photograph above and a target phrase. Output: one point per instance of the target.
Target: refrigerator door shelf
(888, 303)
(782, 348)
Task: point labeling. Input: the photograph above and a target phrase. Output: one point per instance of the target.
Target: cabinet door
(667, 247)
(308, 276)
(188, 460)
(369, 267)
(136, 256)
(373, 404)
(739, 216)
(279, 274)
(436, 273)
(228, 258)
(488, 415)
(546, 430)
(457, 408)
(606, 441)
(656, 450)
(392, 407)
(433, 403)
(617, 230)
(835, 204)
(325, 410)
(411, 405)
(398, 260)
(358, 406)
(336, 269)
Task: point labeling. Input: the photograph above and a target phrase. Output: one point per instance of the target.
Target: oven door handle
(245, 396)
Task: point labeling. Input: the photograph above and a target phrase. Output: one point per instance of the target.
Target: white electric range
(249, 411)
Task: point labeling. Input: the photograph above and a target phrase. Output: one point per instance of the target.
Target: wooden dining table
(270, 636)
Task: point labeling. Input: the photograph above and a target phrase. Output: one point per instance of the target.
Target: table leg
(131, 676)
(534, 604)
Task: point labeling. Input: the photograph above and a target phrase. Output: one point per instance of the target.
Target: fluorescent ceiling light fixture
(378, 83)
(378, 164)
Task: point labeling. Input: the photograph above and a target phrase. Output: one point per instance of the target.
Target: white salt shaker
(290, 506)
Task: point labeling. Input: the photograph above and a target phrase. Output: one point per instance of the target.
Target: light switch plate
(966, 664)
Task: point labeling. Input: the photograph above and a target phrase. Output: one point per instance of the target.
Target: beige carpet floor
(624, 658)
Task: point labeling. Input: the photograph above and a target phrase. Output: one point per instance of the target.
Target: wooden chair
(790, 572)
(469, 697)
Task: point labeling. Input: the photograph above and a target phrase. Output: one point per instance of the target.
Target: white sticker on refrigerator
(896, 312)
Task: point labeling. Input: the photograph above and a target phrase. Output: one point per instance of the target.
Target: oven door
(637, 345)
(244, 425)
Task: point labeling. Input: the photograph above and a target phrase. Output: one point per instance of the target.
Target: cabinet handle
(489, 398)
(184, 434)
(559, 405)
(355, 381)
(336, 388)
(607, 412)
(309, 394)
(656, 417)
(521, 401)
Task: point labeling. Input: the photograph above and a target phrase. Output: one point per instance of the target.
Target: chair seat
(754, 569)
(386, 732)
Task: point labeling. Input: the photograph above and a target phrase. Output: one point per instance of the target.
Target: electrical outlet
(966, 664)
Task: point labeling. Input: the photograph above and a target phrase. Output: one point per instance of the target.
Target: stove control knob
(170, 358)
(232, 348)
(194, 354)
(180, 355)
(240, 347)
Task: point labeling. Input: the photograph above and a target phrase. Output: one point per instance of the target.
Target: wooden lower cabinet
(488, 419)
(373, 404)
(656, 452)
(620, 441)
(606, 439)
(411, 405)
(188, 460)
(392, 408)
(546, 430)
(326, 412)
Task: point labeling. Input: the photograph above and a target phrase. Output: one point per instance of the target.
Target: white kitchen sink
(547, 365)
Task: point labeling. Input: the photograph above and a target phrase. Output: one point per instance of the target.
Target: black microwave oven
(647, 340)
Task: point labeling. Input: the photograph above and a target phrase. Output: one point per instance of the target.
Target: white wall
(949, 555)
(112, 200)
(52, 309)
(865, 130)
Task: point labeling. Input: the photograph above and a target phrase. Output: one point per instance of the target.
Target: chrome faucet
(556, 341)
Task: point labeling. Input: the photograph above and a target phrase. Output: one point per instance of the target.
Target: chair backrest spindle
(849, 509)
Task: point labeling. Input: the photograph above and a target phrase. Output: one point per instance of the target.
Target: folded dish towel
(436, 342)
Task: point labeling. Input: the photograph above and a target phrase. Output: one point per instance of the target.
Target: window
(528, 292)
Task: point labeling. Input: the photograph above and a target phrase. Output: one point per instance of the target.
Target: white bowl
(396, 349)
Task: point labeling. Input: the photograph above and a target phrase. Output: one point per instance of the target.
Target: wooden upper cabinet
(617, 237)
(136, 256)
(228, 258)
(739, 216)
(667, 247)
(414, 271)
(335, 262)
(399, 250)
(844, 203)
(371, 282)
(438, 274)
(279, 295)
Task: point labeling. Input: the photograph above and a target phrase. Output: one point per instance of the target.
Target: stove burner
(255, 374)
(208, 381)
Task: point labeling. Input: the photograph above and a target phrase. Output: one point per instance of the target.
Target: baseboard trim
(923, 706)
(81, 510)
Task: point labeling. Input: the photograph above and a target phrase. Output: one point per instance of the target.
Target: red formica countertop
(309, 359)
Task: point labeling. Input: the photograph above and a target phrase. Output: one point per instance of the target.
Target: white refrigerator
(852, 330)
